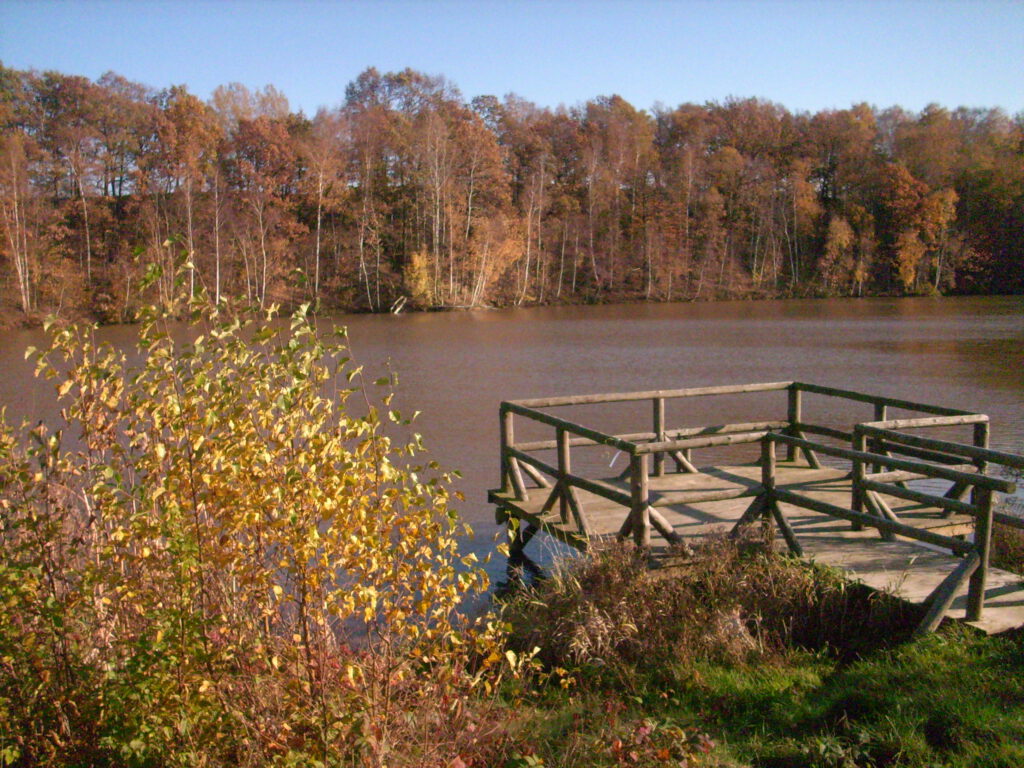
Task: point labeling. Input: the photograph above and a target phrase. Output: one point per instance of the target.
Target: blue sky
(802, 54)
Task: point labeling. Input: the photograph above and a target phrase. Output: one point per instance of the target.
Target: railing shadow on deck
(883, 455)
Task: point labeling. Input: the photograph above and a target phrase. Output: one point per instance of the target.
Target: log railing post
(511, 476)
(981, 441)
(857, 477)
(881, 413)
(640, 500)
(659, 435)
(983, 543)
(793, 416)
(768, 471)
(506, 441)
(564, 468)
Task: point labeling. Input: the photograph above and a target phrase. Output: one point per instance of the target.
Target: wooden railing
(866, 491)
(883, 454)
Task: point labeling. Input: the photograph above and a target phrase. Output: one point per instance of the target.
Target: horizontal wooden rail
(568, 426)
(695, 497)
(668, 394)
(928, 421)
(946, 446)
(901, 476)
(720, 429)
(820, 429)
(892, 402)
(701, 442)
(931, 500)
(596, 487)
(939, 472)
(901, 529)
(1010, 520)
(939, 457)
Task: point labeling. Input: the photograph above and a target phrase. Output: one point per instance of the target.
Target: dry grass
(730, 602)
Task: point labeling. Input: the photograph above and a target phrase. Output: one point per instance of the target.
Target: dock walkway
(863, 515)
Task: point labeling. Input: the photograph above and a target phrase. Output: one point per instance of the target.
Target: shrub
(225, 566)
(730, 602)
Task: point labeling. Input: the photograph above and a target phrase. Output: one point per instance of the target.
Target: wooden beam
(793, 416)
(683, 462)
(849, 394)
(577, 513)
(576, 429)
(979, 451)
(658, 417)
(983, 544)
(750, 515)
(787, 530)
(537, 477)
(945, 473)
(946, 542)
(700, 442)
(640, 502)
(621, 397)
(942, 596)
(927, 499)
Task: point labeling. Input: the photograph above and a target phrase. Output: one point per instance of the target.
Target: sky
(807, 55)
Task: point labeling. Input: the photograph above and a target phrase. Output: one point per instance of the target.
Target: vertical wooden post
(768, 468)
(640, 501)
(857, 478)
(659, 435)
(881, 413)
(794, 420)
(983, 543)
(564, 468)
(980, 441)
(506, 441)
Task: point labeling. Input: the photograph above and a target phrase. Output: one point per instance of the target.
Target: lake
(456, 367)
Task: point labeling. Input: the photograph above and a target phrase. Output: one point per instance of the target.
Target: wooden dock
(865, 516)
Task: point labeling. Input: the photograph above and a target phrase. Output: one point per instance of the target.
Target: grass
(746, 657)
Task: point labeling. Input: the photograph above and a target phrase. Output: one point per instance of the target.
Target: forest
(114, 196)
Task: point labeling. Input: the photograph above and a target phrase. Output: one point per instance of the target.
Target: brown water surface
(456, 367)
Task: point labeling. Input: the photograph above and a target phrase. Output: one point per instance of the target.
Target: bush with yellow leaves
(215, 562)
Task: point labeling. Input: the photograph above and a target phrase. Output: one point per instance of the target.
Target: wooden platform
(907, 569)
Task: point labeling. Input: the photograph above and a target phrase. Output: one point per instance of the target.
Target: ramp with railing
(899, 510)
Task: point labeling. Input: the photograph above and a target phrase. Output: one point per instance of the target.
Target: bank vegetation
(409, 194)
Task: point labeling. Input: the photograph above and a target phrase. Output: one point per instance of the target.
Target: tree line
(114, 195)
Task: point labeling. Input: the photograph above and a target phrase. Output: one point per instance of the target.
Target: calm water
(456, 367)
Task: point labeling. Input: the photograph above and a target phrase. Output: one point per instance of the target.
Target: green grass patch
(761, 661)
